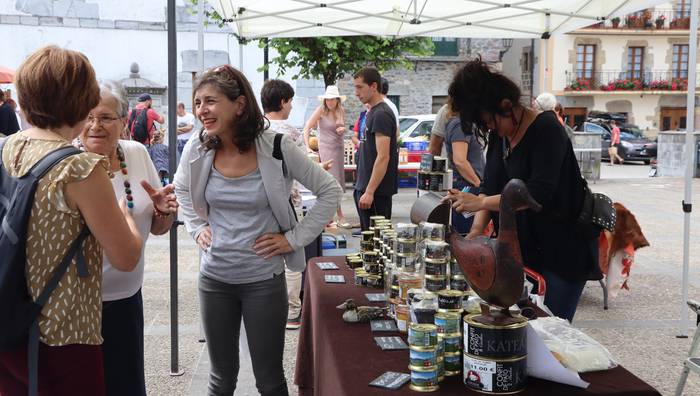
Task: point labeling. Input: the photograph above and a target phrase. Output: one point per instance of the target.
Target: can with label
(436, 181)
(455, 269)
(435, 283)
(495, 342)
(450, 299)
(453, 364)
(422, 335)
(435, 267)
(402, 317)
(436, 250)
(447, 322)
(423, 181)
(453, 342)
(373, 220)
(498, 377)
(432, 231)
(422, 357)
(459, 282)
(424, 380)
(405, 246)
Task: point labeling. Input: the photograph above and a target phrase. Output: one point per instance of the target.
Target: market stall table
(338, 358)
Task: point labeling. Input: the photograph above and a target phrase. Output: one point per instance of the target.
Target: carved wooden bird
(363, 314)
(494, 267)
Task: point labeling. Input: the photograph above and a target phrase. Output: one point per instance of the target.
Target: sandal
(344, 225)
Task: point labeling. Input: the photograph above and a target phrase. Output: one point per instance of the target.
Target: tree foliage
(331, 58)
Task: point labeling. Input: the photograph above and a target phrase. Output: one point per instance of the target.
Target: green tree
(331, 58)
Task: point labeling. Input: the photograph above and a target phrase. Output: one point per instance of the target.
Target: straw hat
(331, 93)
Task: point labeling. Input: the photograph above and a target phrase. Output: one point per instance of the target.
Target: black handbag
(597, 210)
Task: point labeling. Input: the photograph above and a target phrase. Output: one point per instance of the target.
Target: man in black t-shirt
(378, 160)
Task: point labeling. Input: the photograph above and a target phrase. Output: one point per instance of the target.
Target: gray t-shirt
(454, 133)
(239, 213)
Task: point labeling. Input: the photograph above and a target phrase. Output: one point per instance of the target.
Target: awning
(253, 19)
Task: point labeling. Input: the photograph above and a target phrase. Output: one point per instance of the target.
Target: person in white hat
(329, 121)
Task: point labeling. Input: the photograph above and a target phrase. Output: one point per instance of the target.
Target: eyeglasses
(101, 119)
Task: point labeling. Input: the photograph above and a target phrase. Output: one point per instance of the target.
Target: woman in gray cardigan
(234, 199)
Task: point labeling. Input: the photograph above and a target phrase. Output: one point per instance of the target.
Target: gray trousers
(263, 305)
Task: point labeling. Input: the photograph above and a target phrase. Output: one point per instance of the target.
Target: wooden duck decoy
(494, 267)
(363, 314)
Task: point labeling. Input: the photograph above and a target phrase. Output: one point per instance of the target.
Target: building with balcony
(637, 65)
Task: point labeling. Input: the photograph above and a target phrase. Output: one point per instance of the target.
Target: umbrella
(6, 75)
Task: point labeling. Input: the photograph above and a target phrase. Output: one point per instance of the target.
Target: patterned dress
(73, 313)
(332, 146)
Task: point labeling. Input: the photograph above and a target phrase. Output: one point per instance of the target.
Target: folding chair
(692, 362)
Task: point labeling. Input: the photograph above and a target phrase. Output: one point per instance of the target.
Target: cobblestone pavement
(639, 328)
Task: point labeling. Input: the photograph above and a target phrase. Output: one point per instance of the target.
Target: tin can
(453, 342)
(422, 357)
(453, 311)
(375, 281)
(424, 380)
(450, 299)
(367, 236)
(453, 364)
(406, 261)
(495, 342)
(440, 367)
(370, 257)
(394, 292)
(405, 246)
(373, 220)
(402, 317)
(440, 346)
(497, 377)
(455, 269)
(355, 262)
(366, 246)
(439, 164)
(436, 250)
(437, 181)
(423, 181)
(459, 282)
(407, 282)
(435, 267)
(432, 231)
(361, 279)
(435, 283)
(447, 322)
(422, 335)
(406, 231)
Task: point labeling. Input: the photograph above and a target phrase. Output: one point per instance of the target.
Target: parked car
(632, 142)
(415, 127)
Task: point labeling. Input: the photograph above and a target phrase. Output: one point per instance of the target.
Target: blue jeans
(562, 295)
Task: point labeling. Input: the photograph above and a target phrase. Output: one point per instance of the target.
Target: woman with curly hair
(234, 195)
(531, 146)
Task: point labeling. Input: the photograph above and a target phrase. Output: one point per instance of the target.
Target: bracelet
(160, 214)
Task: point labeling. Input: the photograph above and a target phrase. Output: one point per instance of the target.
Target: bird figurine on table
(494, 267)
(363, 314)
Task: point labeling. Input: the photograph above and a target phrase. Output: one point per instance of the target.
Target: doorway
(672, 118)
(575, 116)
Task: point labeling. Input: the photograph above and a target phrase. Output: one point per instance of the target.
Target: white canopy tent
(253, 19)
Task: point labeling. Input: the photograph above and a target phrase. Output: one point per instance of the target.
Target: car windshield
(405, 123)
(632, 130)
(627, 136)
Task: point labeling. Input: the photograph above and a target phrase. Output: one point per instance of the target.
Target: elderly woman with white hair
(548, 102)
(133, 179)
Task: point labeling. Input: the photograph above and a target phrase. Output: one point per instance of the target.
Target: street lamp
(506, 44)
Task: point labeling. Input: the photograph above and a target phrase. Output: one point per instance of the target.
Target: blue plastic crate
(407, 182)
(416, 146)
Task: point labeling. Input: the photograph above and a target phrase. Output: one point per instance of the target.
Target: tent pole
(545, 51)
(200, 36)
(690, 162)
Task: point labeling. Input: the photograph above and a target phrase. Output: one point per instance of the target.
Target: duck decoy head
(348, 305)
(517, 197)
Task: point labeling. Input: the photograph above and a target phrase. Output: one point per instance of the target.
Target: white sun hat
(331, 93)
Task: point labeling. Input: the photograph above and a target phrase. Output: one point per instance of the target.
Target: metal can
(495, 342)
(436, 250)
(437, 181)
(361, 279)
(450, 299)
(402, 317)
(406, 231)
(432, 231)
(459, 282)
(370, 257)
(367, 236)
(375, 281)
(405, 246)
(435, 267)
(453, 364)
(424, 181)
(424, 380)
(453, 342)
(422, 335)
(373, 220)
(366, 246)
(455, 269)
(394, 292)
(439, 164)
(406, 282)
(406, 261)
(441, 367)
(355, 262)
(447, 322)
(440, 346)
(435, 283)
(504, 376)
(423, 357)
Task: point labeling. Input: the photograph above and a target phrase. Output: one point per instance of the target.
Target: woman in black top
(533, 147)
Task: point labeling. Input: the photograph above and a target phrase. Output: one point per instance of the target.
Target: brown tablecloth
(335, 358)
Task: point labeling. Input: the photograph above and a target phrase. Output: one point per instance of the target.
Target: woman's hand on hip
(163, 198)
(204, 238)
(270, 245)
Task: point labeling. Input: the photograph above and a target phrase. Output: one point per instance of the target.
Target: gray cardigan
(193, 173)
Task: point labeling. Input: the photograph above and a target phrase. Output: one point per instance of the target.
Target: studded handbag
(597, 210)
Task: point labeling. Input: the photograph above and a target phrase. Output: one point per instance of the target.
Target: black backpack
(18, 312)
(138, 125)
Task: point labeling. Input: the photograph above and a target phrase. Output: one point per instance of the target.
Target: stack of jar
(374, 254)
(434, 174)
(425, 363)
(405, 273)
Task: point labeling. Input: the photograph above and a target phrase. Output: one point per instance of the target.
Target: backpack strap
(52, 159)
(277, 152)
(33, 342)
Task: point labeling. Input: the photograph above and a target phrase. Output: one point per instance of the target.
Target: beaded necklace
(125, 172)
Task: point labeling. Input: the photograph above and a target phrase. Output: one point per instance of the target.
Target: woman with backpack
(233, 187)
(152, 207)
(57, 89)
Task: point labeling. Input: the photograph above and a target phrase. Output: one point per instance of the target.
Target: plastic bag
(573, 348)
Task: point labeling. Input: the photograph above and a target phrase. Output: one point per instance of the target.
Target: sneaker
(357, 233)
(294, 323)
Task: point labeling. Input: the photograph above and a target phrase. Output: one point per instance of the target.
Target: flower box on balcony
(634, 84)
(680, 23)
(580, 84)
